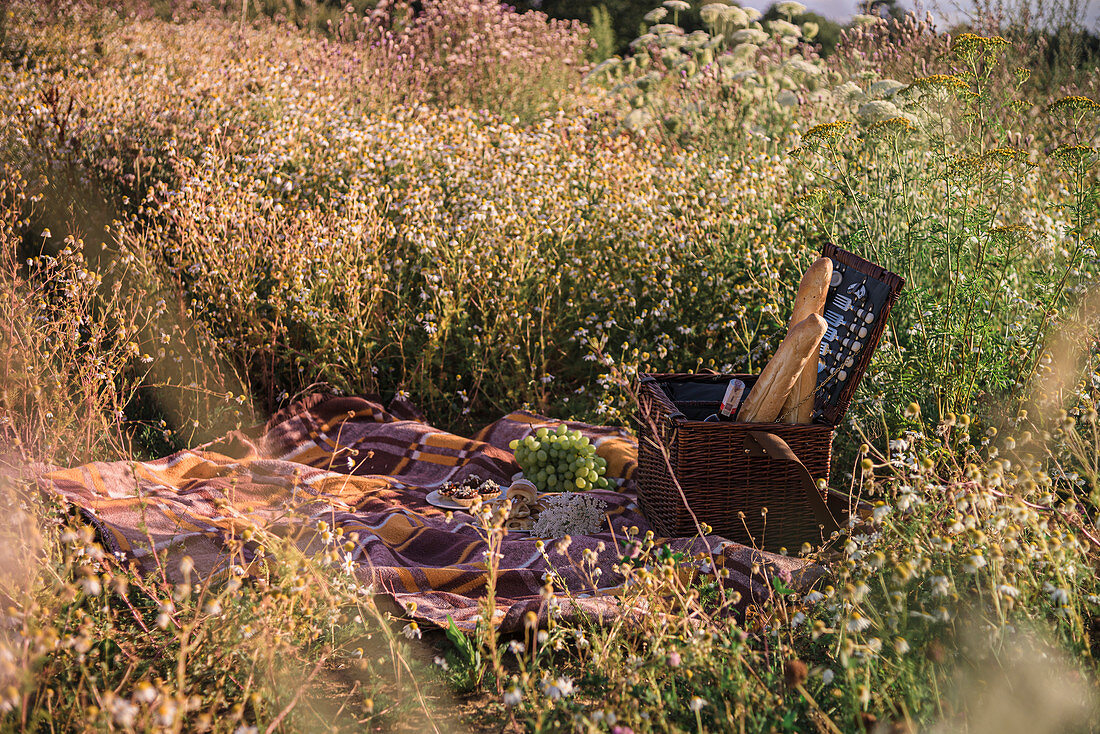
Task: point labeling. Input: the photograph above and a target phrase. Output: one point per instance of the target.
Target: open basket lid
(860, 297)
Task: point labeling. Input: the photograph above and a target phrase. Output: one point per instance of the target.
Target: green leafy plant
(929, 183)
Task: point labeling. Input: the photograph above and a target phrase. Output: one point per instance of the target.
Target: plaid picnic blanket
(353, 464)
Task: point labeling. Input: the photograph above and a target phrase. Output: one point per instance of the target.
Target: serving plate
(446, 503)
(435, 498)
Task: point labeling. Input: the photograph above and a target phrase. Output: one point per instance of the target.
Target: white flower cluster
(557, 688)
(570, 513)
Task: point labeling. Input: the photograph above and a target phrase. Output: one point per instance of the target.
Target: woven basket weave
(725, 482)
(754, 483)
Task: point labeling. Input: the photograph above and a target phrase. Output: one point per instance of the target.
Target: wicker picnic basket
(755, 483)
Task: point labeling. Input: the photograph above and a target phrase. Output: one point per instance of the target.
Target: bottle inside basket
(731, 401)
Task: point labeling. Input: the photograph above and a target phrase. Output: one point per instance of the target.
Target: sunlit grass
(201, 219)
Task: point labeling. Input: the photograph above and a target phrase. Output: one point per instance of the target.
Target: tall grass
(439, 206)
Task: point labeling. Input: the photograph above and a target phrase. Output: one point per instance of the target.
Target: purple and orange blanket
(353, 464)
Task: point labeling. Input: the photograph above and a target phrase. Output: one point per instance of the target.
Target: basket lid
(860, 297)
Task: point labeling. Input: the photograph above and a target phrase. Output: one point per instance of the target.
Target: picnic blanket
(331, 462)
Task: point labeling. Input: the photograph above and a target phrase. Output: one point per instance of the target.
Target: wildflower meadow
(212, 210)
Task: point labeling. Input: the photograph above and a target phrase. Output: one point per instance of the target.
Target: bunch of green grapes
(560, 461)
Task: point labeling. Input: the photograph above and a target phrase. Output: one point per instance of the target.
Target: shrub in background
(736, 86)
(480, 54)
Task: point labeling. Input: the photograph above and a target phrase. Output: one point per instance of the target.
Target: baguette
(812, 290)
(799, 407)
(812, 293)
(775, 383)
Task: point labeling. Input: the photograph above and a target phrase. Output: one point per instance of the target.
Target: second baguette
(778, 378)
(812, 292)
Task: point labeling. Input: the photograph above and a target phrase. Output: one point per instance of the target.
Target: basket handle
(764, 444)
